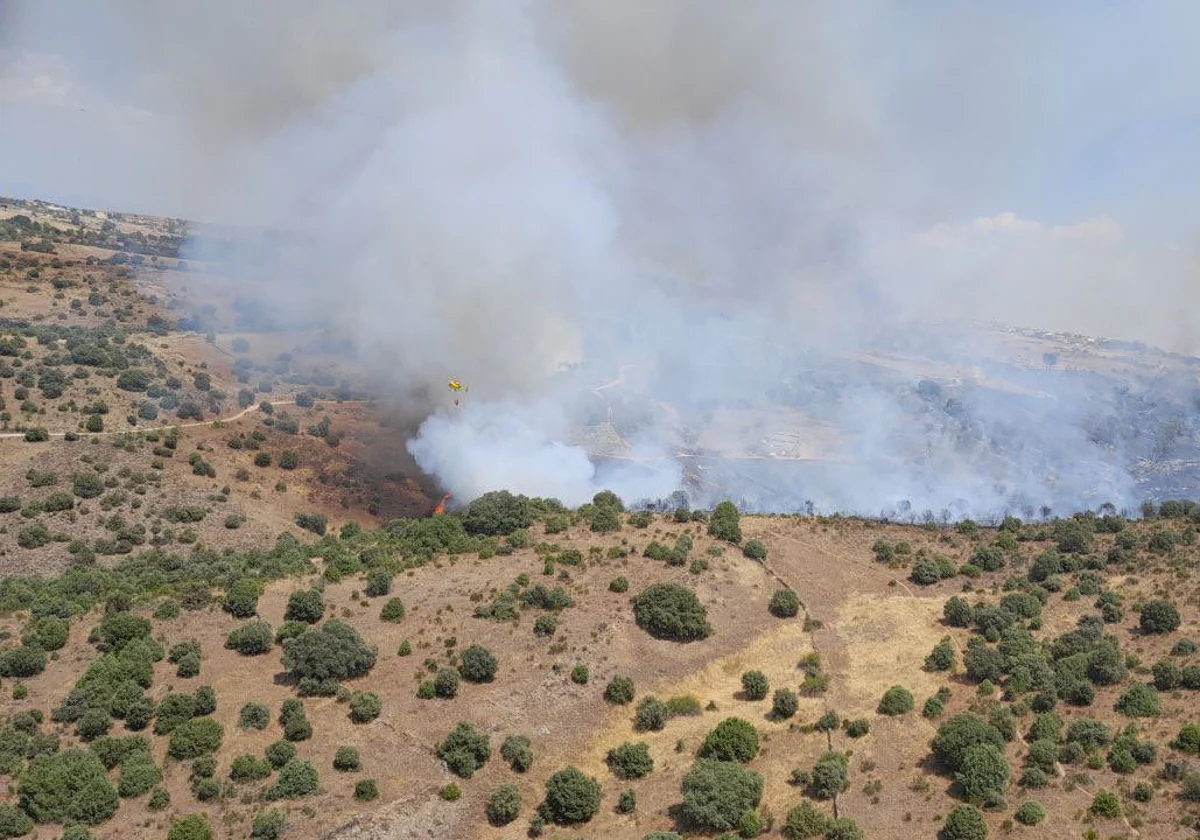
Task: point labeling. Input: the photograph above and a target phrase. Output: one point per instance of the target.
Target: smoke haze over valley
(767, 229)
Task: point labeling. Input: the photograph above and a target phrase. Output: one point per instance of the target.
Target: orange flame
(441, 508)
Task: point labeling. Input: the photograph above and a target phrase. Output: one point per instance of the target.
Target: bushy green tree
(673, 612)
(983, 774)
(733, 739)
(897, 700)
(943, 657)
(619, 691)
(333, 651)
(498, 513)
(14, 822)
(830, 775)
(305, 605)
(572, 798)
(365, 706)
(504, 805)
(718, 794)
(196, 737)
(1159, 617)
(784, 704)
(71, 786)
(191, 827)
(755, 685)
(630, 760)
(241, 601)
(965, 822)
(393, 611)
(478, 664)
(296, 779)
(958, 734)
(518, 752)
(254, 716)
(252, 639)
(726, 523)
(1141, 700)
(465, 750)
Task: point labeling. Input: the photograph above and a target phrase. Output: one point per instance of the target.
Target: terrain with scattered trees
(221, 617)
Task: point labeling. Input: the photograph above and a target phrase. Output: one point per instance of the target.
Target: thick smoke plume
(714, 206)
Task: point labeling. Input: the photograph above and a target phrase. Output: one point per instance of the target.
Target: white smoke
(727, 200)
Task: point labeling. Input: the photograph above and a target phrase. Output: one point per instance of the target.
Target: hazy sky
(1058, 112)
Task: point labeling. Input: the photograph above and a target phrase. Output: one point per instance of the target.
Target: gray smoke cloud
(724, 206)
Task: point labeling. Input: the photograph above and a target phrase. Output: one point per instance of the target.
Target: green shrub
(366, 790)
(191, 827)
(804, 822)
(446, 683)
(943, 657)
(159, 800)
(618, 584)
(857, 728)
(1140, 700)
(306, 605)
(365, 706)
(965, 822)
(249, 768)
(393, 611)
(478, 665)
(1159, 617)
(755, 550)
(71, 786)
(206, 700)
(280, 753)
(983, 774)
(269, 824)
(619, 691)
(347, 760)
(755, 685)
(252, 639)
(14, 822)
(504, 805)
(296, 779)
(1106, 804)
(451, 792)
(630, 760)
(49, 632)
(196, 737)
(580, 674)
(627, 801)
(958, 734)
(1188, 739)
(673, 612)
(545, 625)
(139, 774)
(333, 651)
(897, 700)
(843, 829)
(254, 716)
(830, 776)
(784, 704)
(784, 604)
(725, 523)
(465, 750)
(241, 601)
(718, 794)
(733, 739)
(518, 752)
(571, 797)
